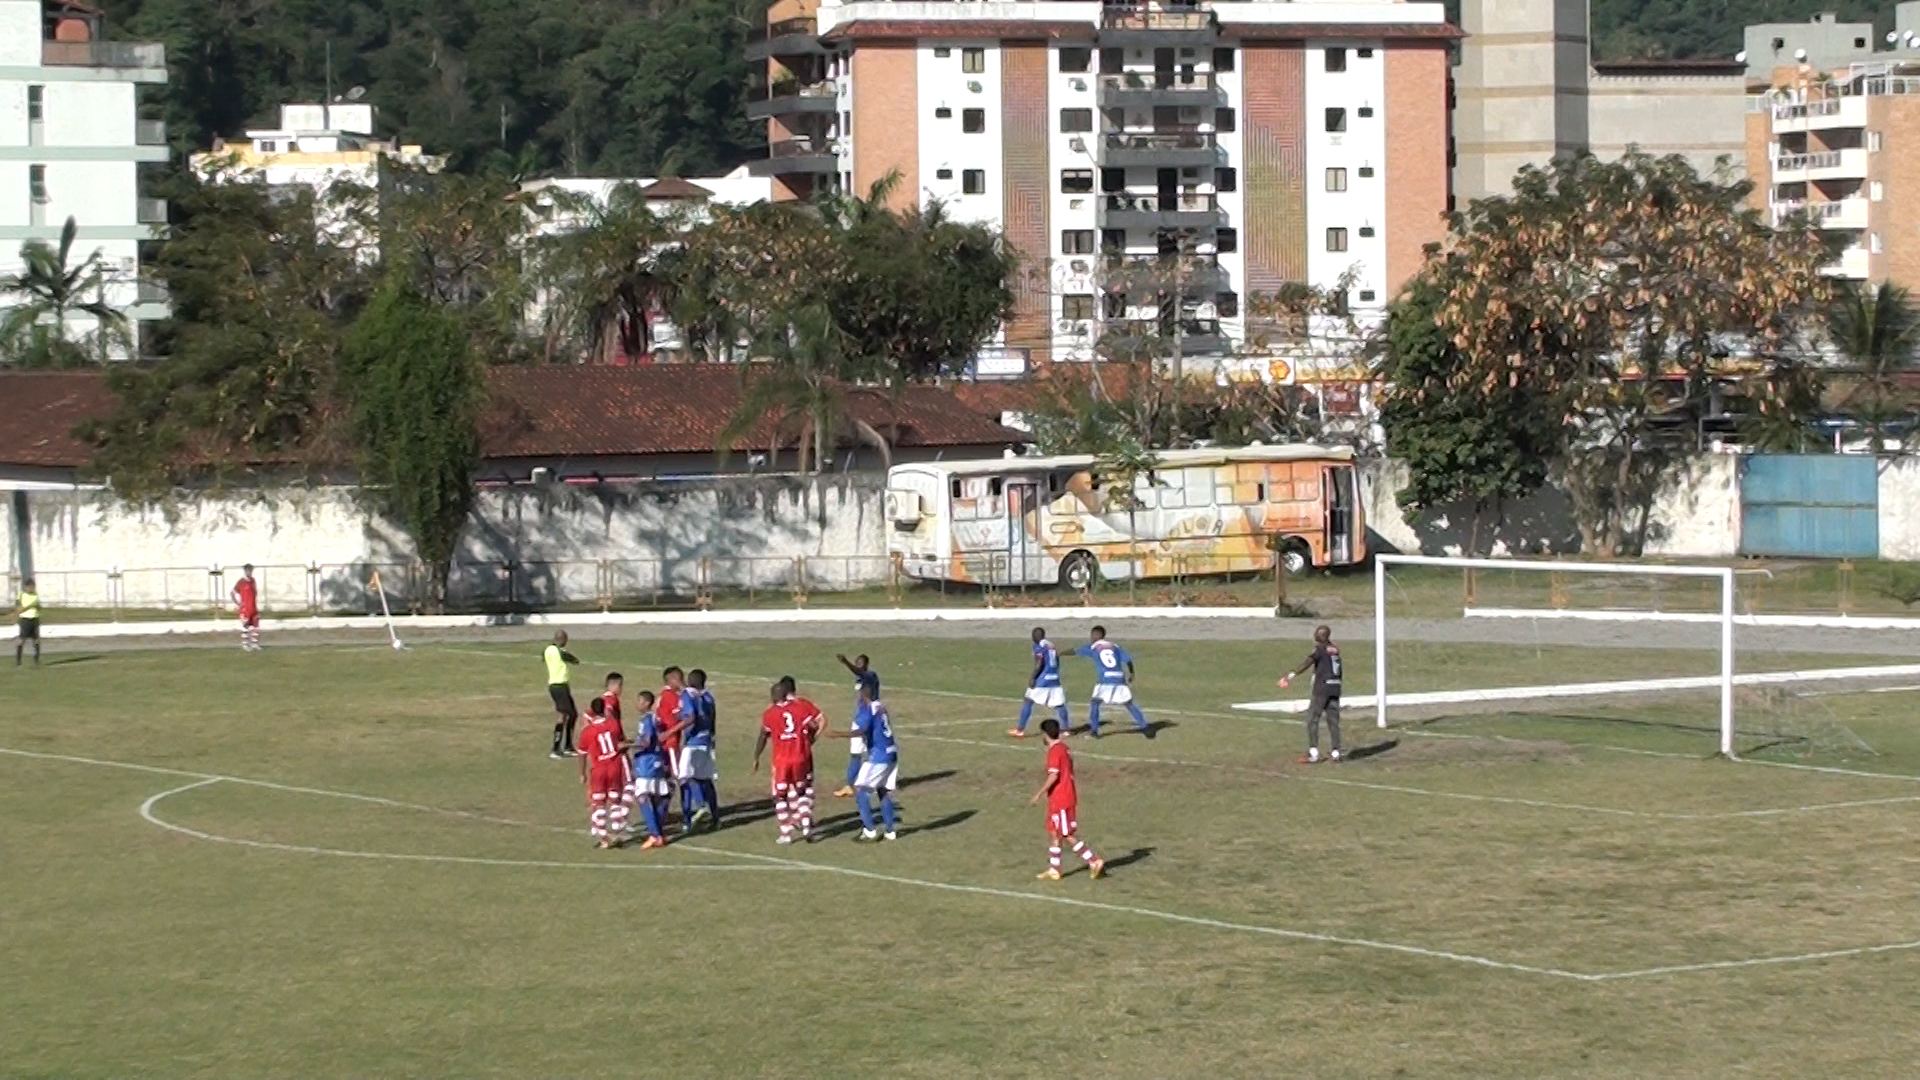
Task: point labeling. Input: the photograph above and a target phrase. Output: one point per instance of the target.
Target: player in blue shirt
(1113, 684)
(696, 765)
(1043, 686)
(880, 769)
(652, 775)
(863, 675)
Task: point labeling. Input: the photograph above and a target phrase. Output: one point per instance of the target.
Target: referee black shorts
(563, 699)
(29, 629)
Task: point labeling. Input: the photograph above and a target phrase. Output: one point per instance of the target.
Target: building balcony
(789, 99)
(1161, 148)
(788, 37)
(1153, 338)
(795, 156)
(1156, 25)
(1144, 89)
(120, 55)
(1833, 112)
(1852, 213)
(1848, 164)
(999, 362)
(1855, 264)
(1124, 210)
(1144, 275)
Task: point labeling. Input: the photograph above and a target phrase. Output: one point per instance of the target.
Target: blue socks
(650, 812)
(1060, 714)
(709, 796)
(853, 769)
(865, 802)
(1026, 714)
(886, 810)
(1139, 718)
(1093, 717)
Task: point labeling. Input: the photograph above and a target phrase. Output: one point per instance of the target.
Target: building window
(1366, 232)
(943, 174)
(1779, 43)
(1076, 181)
(1223, 59)
(1223, 119)
(1226, 179)
(942, 113)
(1114, 305)
(1076, 120)
(941, 52)
(973, 182)
(1077, 307)
(973, 61)
(1076, 59)
(37, 182)
(1874, 142)
(1336, 120)
(1873, 243)
(1112, 180)
(268, 146)
(1336, 59)
(1364, 54)
(1366, 112)
(1113, 241)
(1336, 239)
(1076, 241)
(1226, 306)
(1876, 191)
(1113, 61)
(1859, 43)
(1366, 172)
(973, 121)
(1366, 296)
(36, 102)
(1336, 179)
(1225, 241)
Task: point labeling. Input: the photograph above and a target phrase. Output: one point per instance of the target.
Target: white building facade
(71, 145)
(1159, 169)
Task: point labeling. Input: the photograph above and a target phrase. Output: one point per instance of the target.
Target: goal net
(1636, 657)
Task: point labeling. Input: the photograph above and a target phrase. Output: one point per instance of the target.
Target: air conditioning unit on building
(1078, 266)
(974, 85)
(903, 507)
(1079, 84)
(1066, 326)
(1077, 144)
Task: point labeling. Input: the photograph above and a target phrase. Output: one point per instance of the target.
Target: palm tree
(1876, 330)
(803, 387)
(33, 331)
(607, 274)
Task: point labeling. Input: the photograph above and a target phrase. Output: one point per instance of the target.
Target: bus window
(955, 483)
(1223, 494)
(1259, 493)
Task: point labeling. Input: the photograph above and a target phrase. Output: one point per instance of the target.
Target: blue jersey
(876, 728)
(869, 679)
(1111, 659)
(701, 714)
(1047, 659)
(649, 754)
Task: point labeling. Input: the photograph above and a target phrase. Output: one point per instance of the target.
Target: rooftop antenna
(326, 103)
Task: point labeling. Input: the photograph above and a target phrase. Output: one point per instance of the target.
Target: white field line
(762, 617)
(1597, 689)
(1810, 622)
(1862, 690)
(146, 812)
(774, 862)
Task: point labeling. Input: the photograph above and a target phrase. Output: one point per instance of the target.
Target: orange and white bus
(1053, 520)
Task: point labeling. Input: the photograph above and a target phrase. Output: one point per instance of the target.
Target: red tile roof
(539, 412)
(40, 409)
(672, 187)
(995, 397)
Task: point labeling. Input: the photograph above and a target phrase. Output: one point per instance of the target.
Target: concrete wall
(1900, 509)
(1699, 118)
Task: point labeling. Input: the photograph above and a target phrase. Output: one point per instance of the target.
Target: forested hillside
(612, 87)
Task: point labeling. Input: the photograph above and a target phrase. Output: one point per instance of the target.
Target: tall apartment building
(1155, 165)
(71, 144)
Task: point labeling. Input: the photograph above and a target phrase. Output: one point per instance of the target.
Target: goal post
(1726, 616)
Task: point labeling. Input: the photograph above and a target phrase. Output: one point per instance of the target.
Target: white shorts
(1113, 693)
(645, 786)
(856, 746)
(875, 776)
(1047, 697)
(694, 763)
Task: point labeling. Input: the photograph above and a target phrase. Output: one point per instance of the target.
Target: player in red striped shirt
(791, 723)
(605, 772)
(1062, 806)
(246, 601)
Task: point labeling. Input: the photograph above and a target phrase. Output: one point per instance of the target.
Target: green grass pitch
(343, 861)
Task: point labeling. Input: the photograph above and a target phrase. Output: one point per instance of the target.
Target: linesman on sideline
(560, 665)
(1325, 662)
(26, 612)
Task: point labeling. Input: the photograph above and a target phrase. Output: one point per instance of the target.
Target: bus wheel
(1296, 557)
(1078, 571)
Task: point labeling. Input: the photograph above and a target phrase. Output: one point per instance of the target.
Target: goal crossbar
(1725, 681)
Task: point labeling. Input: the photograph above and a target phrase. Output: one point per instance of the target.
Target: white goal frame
(1725, 618)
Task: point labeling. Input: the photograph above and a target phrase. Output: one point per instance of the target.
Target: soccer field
(338, 860)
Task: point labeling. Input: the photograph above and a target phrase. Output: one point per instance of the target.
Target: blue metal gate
(1816, 505)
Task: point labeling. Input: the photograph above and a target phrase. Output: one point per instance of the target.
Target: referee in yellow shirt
(27, 611)
(560, 663)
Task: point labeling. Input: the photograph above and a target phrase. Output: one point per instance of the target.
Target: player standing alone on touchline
(1325, 662)
(1043, 686)
(27, 613)
(1114, 684)
(559, 678)
(1062, 807)
(791, 723)
(246, 602)
(604, 771)
(880, 771)
(863, 676)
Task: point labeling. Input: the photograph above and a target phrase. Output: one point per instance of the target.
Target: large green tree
(1625, 291)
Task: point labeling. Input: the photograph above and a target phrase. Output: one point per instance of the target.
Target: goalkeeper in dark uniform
(1325, 662)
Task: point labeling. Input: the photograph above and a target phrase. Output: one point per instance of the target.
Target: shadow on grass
(956, 818)
(926, 778)
(83, 658)
(1139, 854)
(1360, 753)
